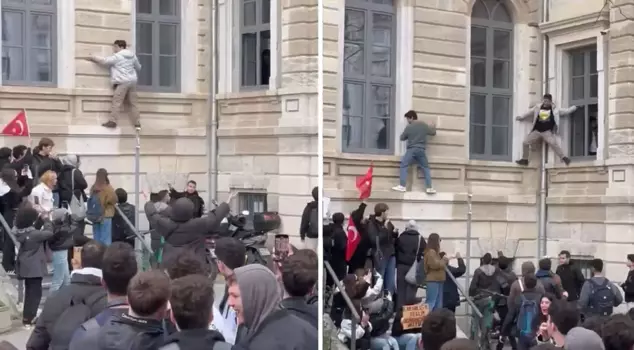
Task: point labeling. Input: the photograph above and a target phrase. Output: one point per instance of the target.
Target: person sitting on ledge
(415, 134)
(545, 124)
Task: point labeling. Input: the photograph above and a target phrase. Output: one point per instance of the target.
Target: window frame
(368, 80)
(156, 19)
(250, 199)
(27, 8)
(588, 51)
(489, 91)
(256, 29)
(583, 263)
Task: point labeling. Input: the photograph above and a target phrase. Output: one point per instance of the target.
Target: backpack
(313, 230)
(528, 310)
(78, 312)
(602, 298)
(76, 206)
(94, 210)
(380, 319)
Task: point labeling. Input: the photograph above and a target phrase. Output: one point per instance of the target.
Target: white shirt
(226, 323)
(44, 197)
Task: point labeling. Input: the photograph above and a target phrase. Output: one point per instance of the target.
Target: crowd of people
(100, 299)
(539, 309)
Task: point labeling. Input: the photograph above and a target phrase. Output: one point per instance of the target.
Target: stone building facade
(470, 66)
(266, 133)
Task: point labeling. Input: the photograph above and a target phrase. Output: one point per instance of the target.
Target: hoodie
(123, 67)
(195, 339)
(70, 177)
(305, 225)
(484, 278)
(199, 203)
(527, 268)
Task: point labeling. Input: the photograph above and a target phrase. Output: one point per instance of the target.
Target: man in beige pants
(545, 124)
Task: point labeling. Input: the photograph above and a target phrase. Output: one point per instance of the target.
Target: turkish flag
(353, 239)
(18, 126)
(364, 184)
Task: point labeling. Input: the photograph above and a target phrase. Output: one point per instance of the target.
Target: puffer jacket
(181, 231)
(383, 235)
(123, 66)
(63, 235)
(484, 279)
(31, 261)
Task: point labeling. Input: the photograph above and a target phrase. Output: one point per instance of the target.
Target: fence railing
(355, 315)
(4, 276)
(142, 243)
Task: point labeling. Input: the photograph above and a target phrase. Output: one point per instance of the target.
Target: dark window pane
(577, 132)
(381, 61)
(168, 34)
(477, 109)
(478, 72)
(41, 65)
(249, 59)
(501, 110)
(12, 28)
(501, 74)
(478, 42)
(266, 11)
(168, 7)
(265, 57)
(41, 30)
(167, 71)
(143, 6)
(477, 139)
(577, 88)
(502, 44)
(378, 131)
(353, 99)
(594, 85)
(145, 75)
(593, 61)
(382, 29)
(384, 2)
(578, 63)
(480, 10)
(593, 129)
(501, 14)
(352, 132)
(353, 63)
(41, 2)
(382, 98)
(248, 13)
(500, 141)
(13, 68)
(144, 38)
(355, 25)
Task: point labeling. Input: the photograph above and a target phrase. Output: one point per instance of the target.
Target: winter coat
(199, 203)
(628, 287)
(451, 297)
(32, 257)
(434, 266)
(121, 231)
(408, 249)
(304, 226)
(123, 65)
(382, 234)
(41, 164)
(484, 279)
(63, 235)
(181, 230)
(65, 184)
(551, 283)
(571, 280)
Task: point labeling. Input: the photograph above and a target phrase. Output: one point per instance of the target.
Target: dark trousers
(8, 248)
(503, 310)
(32, 298)
(405, 292)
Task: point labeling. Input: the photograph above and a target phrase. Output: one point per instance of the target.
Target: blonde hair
(47, 177)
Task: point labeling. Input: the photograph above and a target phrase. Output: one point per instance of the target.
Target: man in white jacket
(124, 66)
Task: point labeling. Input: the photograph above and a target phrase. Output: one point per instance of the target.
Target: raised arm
(106, 61)
(567, 111)
(156, 220)
(405, 133)
(431, 129)
(526, 115)
(213, 219)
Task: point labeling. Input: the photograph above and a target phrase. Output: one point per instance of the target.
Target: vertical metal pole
(138, 248)
(468, 252)
(541, 242)
(212, 132)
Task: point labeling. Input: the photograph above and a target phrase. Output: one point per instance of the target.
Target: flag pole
(26, 118)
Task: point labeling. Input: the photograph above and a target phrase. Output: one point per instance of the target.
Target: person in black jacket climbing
(309, 226)
(192, 194)
(335, 242)
(409, 247)
(382, 235)
(181, 231)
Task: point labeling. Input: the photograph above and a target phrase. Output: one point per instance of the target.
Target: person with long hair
(102, 230)
(41, 197)
(434, 267)
(11, 196)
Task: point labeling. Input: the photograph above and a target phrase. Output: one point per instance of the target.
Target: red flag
(364, 184)
(353, 239)
(18, 126)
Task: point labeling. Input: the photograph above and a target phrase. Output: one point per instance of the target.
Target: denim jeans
(418, 156)
(387, 270)
(384, 342)
(102, 232)
(408, 341)
(434, 295)
(61, 273)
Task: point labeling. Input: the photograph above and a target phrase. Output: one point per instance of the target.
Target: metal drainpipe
(212, 127)
(543, 189)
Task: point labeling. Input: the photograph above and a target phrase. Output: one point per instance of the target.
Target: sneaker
(109, 124)
(137, 126)
(430, 191)
(399, 188)
(523, 162)
(566, 160)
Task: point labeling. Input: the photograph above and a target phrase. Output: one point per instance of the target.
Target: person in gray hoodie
(124, 66)
(598, 295)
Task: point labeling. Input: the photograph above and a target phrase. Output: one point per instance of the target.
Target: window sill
(577, 163)
(39, 90)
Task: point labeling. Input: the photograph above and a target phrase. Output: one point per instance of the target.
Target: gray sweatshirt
(123, 66)
(416, 133)
(586, 292)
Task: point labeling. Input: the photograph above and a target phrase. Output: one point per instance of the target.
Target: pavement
(19, 336)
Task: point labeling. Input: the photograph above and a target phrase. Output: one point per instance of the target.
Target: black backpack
(313, 230)
(78, 312)
(380, 320)
(601, 300)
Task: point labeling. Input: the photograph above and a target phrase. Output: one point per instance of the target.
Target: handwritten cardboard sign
(413, 316)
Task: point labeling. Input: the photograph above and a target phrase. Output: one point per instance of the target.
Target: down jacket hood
(488, 270)
(182, 210)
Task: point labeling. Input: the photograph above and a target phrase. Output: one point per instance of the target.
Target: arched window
(491, 101)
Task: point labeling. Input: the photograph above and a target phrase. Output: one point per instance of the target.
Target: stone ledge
(121, 131)
(395, 160)
(590, 200)
(441, 197)
(269, 131)
(55, 91)
(267, 93)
